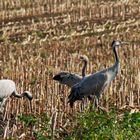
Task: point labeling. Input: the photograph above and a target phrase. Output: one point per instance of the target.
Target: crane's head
(84, 58)
(57, 77)
(60, 76)
(28, 94)
(115, 43)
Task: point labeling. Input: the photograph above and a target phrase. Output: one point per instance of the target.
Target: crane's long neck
(24, 94)
(116, 65)
(16, 94)
(116, 55)
(84, 69)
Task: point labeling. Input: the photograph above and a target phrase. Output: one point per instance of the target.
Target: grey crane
(70, 79)
(96, 83)
(8, 88)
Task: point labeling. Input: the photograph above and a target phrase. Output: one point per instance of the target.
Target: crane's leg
(90, 97)
(82, 105)
(97, 104)
(84, 102)
(95, 101)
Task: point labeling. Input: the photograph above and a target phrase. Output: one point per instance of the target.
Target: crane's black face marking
(30, 98)
(113, 42)
(28, 95)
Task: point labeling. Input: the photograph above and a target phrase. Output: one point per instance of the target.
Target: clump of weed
(106, 125)
(40, 125)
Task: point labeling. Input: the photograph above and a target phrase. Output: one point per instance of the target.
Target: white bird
(96, 83)
(8, 88)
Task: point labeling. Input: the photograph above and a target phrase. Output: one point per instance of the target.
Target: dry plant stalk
(42, 38)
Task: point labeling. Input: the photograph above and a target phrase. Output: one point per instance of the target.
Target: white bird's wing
(7, 87)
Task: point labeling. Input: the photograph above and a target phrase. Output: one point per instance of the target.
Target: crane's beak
(124, 43)
(119, 43)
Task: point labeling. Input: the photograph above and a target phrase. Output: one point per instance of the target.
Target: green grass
(39, 126)
(99, 125)
(95, 125)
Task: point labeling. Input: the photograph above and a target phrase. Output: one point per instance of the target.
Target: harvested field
(41, 38)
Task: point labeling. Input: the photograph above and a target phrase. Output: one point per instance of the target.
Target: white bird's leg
(0, 105)
(1, 108)
(3, 102)
(5, 114)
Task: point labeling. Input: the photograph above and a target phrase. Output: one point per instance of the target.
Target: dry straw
(41, 38)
